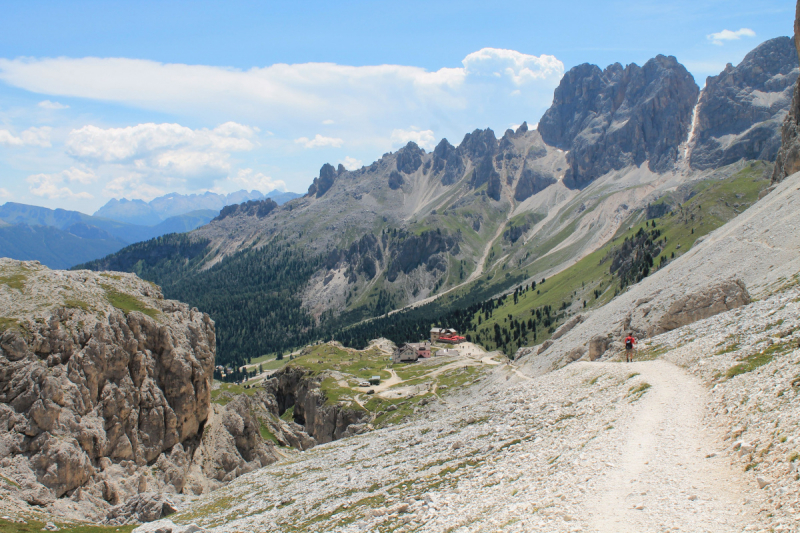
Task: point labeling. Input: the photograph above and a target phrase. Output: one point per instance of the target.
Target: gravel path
(659, 477)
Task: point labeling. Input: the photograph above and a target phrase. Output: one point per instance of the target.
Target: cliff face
(788, 159)
(100, 377)
(325, 422)
(617, 117)
(740, 111)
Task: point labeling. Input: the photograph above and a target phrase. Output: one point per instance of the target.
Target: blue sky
(136, 99)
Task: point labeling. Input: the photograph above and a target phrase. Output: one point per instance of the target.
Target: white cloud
(320, 142)
(518, 67)
(719, 38)
(424, 139)
(143, 140)
(351, 163)
(291, 93)
(49, 185)
(328, 122)
(132, 186)
(30, 137)
(249, 179)
(47, 104)
(4, 193)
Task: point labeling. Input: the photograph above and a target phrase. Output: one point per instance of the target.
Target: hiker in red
(629, 342)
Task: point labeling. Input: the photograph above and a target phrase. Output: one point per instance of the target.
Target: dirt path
(658, 476)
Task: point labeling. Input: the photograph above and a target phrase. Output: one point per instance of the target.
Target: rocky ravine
(105, 398)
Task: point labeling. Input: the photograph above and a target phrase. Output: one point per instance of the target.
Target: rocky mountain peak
(320, 185)
(409, 158)
(479, 144)
(741, 109)
(620, 116)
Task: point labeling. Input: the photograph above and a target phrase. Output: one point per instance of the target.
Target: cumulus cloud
(424, 139)
(719, 38)
(249, 179)
(320, 142)
(132, 186)
(30, 137)
(351, 163)
(144, 140)
(4, 193)
(518, 67)
(328, 122)
(47, 104)
(50, 185)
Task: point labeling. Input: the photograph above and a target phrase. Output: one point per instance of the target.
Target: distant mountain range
(170, 205)
(60, 238)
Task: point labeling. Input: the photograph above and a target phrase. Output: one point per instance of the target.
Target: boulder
(597, 347)
(716, 299)
(145, 507)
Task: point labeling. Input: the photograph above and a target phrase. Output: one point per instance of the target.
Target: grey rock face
(409, 158)
(530, 182)
(620, 116)
(788, 160)
(395, 180)
(479, 144)
(448, 162)
(99, 405)
(320, 185)
(741, 110)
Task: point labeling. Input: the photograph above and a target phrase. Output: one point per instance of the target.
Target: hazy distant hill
(54, 247)
(174, 204)
(60, 238)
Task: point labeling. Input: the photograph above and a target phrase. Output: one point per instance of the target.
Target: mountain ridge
(512, 209)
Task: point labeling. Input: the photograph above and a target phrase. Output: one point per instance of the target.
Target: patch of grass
(753, 361)
(594, 379)
(288, 415)
(128, 303)
(34, 526)
(266, 434)
(76, 304)
(9, 323)
(637, 391)
(632, 375)
(14, 281)
(9, 481)
(794, 456)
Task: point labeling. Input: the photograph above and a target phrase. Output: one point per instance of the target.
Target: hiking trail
(658, 476)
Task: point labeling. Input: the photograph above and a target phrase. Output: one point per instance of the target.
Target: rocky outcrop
(298, 388)
(716, 299)
(447, 162)
(741, 110)
(531, 181)
(409, 158)
(609, 119)
(320, 185)
(105, 395)
(256, 208)
(787, 161)
(395, 180)
(409, 251)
